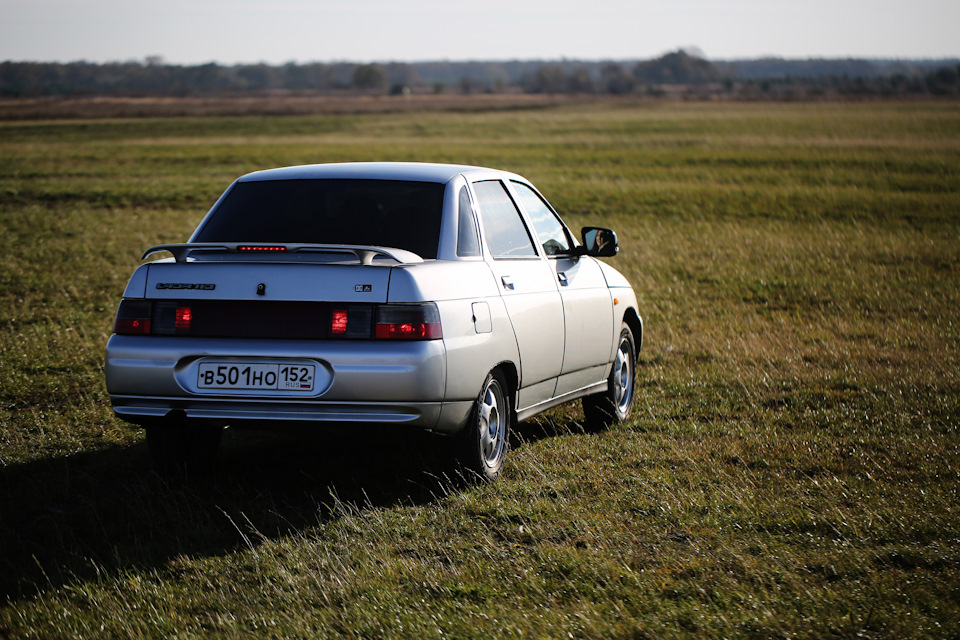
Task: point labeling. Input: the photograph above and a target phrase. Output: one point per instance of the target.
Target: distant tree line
(674, 73)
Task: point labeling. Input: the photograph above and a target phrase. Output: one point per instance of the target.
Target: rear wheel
(486, 441)
(614, 405)
(183, 449)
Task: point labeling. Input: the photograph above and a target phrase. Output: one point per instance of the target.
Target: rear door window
(503, 228)
(468, 242)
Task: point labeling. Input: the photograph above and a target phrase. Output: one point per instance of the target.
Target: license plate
(258, 377)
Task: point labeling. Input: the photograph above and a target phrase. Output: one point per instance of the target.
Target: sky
(279, 31)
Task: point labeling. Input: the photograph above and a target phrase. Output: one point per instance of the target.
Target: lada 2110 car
(448, 298)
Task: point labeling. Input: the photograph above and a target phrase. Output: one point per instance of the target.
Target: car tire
(183, 450)
(614, 405)
(486, 440)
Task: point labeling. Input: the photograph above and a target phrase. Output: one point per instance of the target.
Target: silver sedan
(448, 298)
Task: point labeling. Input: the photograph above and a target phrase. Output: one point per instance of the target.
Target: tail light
(408, 322)
(339, 319)
(171, 318)
(133, 318)
(184, 319)
(277, 320)
(145, 317)
(351, 321)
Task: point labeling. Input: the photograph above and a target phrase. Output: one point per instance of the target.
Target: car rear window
(388, 213)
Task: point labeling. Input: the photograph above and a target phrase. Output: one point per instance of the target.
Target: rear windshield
(388, 213)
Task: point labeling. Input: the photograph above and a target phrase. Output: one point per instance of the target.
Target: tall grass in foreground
(792, 469)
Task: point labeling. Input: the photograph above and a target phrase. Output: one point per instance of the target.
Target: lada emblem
(186, 285)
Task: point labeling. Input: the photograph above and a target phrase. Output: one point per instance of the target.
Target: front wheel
(614, 405)
(484, 447)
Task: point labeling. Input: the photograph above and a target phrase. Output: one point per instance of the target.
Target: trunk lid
(275, 281)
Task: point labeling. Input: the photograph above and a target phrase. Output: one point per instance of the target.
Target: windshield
(388, 213)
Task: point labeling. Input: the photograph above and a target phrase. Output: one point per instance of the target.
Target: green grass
(792, 468)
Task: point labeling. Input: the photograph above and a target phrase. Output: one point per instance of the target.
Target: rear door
(530, 293)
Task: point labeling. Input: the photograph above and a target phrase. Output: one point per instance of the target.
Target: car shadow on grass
(563, 421)
(77, 518)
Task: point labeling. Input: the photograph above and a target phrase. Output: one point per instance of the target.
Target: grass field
(791, 470)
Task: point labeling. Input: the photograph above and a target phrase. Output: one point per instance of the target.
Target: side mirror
(599, 242)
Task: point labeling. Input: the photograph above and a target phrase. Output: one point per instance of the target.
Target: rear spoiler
(365, 254)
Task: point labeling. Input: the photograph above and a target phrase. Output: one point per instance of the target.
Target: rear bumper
(364, 381)
(147, 410)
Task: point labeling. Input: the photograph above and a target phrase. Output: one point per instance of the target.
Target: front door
(587, 307)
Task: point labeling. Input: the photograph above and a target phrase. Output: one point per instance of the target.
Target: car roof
(412, 171)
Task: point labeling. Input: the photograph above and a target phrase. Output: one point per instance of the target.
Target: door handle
(562, 277)
(507, 282)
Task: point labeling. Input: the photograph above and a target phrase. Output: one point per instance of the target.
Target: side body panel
(588, 315)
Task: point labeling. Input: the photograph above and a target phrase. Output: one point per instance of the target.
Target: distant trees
(580, 81)
(400, 76)
(677, 68)
(944, 81)
(678, 73)
(369, 77)
(549, 78)
(30, 79)
(260, 77)
(616, 80)
(308, 77)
